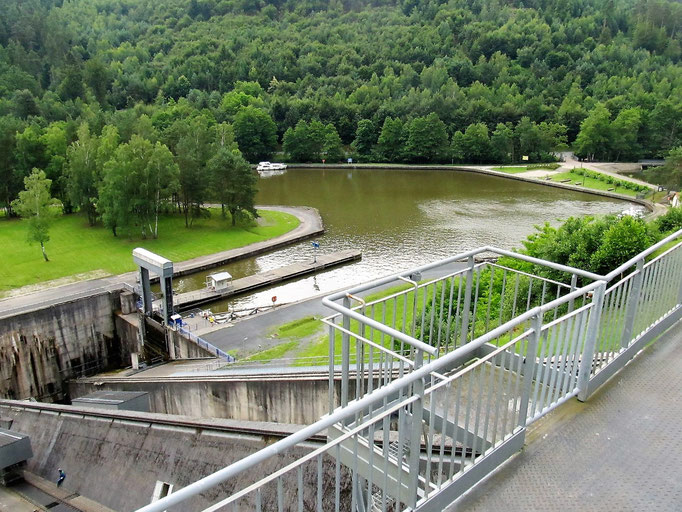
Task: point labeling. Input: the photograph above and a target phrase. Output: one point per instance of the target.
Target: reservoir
(399, 219)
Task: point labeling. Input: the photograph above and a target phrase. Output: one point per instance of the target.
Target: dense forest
(198, 87)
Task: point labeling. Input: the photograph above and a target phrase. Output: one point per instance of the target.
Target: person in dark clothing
(61, 478)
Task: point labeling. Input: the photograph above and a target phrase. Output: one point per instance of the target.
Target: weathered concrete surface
(620, 450)
(40, 349)
(278, 399)
(116, 458)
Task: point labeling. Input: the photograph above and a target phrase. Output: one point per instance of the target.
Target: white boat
(267, 166)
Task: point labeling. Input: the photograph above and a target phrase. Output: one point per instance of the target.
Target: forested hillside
(381, 80)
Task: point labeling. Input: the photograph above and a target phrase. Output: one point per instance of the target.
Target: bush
(671, 221)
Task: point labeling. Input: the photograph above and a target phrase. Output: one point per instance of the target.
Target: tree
(365, 138)
(458, 147)
(86, 158)
(502, 144)
(624, 129)
(256, 134)
(390, 143)
(138, 179)
(427, 140)
(306, 141)
(37, 205)
(10, 182)
(233, 182)
(594, 139)
(333, 147)
(194, 148)
(477, 142)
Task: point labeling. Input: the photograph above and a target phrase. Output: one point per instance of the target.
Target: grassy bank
(592, 183)
(76, 248)
(523, 168)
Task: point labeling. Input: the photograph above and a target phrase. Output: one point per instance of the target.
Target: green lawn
(76, 248)
(523, 168)
(592, 183)
(511, 170)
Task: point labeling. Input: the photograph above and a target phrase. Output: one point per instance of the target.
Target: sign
(350, 160)
(274, 299)
(524, 158)
(316, 245)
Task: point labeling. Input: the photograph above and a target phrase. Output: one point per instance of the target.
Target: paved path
(310, 225)
(619, 451)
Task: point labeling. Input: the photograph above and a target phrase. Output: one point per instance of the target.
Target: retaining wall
(40, 349)
(116, 458)
(270, 398)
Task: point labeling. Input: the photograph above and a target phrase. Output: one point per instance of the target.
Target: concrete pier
(264, 279)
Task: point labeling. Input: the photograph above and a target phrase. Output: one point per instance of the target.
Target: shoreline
(480, 170)
(310, 225)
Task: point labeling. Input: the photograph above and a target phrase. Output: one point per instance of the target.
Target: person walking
(62, 477)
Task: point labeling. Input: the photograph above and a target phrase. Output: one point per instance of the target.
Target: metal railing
(414, 430)
(206, 345)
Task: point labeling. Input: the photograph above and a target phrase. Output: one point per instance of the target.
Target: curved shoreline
(404, 167)
(310, 225)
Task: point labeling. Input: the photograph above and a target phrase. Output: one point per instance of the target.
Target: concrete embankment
(265, 279)
(40, 349)
(299, 399)
(117, 458)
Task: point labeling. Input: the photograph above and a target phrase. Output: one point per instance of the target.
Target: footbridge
(443, 381)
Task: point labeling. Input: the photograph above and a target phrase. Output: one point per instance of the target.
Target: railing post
(345, 354)
(416, 430)
(593, 329)
(633, 300)
(332, 367)
(679, 294)
(574, 286)
(528, 369)
(467, 301)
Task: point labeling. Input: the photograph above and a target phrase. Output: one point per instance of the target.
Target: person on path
(62, 477)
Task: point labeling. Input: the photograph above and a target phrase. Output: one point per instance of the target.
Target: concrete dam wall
(277, 399)
(42, 348)
(117, 458)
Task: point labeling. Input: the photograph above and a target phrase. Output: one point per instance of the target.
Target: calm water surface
(399, 219)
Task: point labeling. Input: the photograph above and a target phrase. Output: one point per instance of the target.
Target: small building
(219, 281)
(15, 450)
(118, 400)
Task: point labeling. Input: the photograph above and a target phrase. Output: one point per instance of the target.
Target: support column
(146, 291)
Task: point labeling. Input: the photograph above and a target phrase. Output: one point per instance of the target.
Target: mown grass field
(592, 183)
(76, 248)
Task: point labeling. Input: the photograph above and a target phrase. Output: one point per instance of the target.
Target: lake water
(399, 219)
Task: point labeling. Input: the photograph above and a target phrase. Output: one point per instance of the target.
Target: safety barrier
(438, 393)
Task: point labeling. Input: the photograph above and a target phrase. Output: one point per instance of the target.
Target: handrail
(644, 254)
(352, 407)
(445, 362)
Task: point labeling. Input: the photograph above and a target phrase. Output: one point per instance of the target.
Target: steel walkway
(620, 450)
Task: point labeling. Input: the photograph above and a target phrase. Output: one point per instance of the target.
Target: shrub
(671, 221)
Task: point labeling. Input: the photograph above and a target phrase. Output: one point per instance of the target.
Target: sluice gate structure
(442, 378)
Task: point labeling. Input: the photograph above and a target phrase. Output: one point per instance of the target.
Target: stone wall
(116, 458)
(40, 349)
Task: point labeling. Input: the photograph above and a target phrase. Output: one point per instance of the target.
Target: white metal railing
(414, 430)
